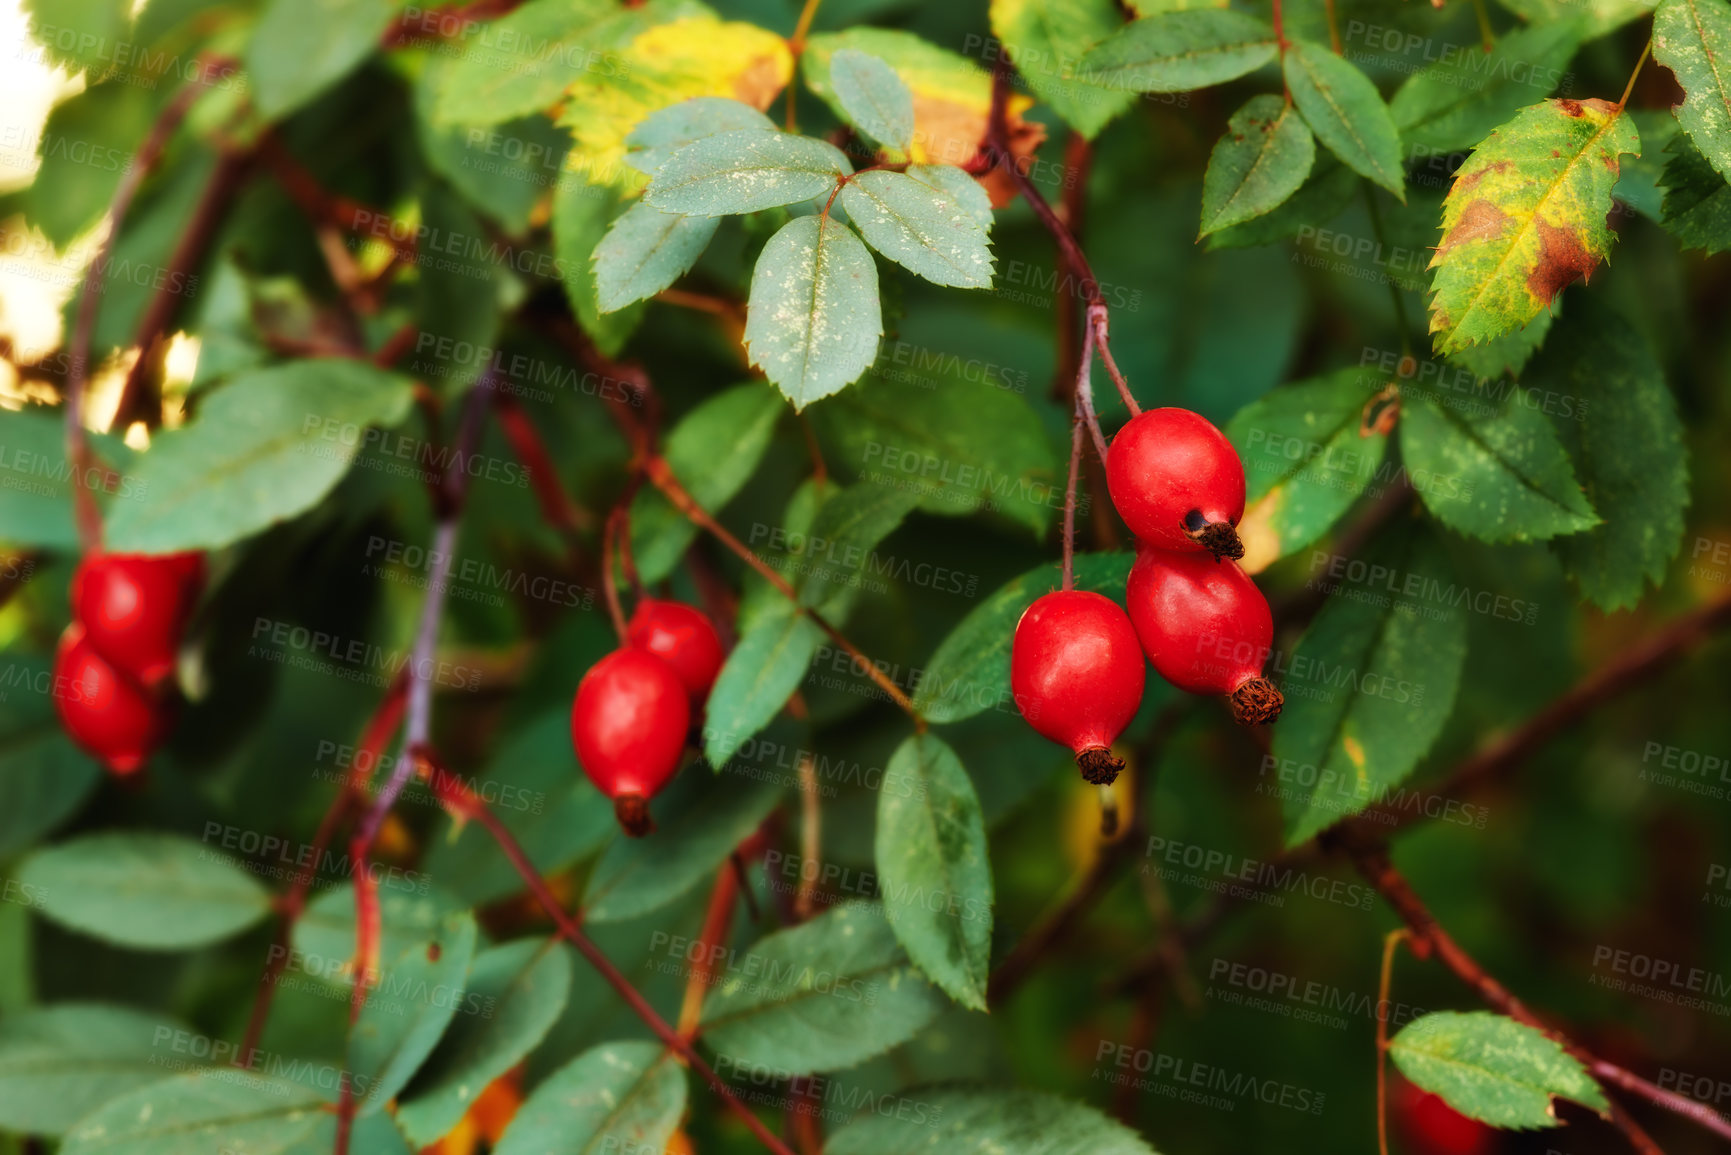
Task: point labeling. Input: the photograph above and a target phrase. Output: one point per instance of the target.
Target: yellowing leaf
(1526, 217)
(952, 97)
(665, 64)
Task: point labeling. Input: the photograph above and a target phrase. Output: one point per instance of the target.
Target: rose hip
(1077, 675)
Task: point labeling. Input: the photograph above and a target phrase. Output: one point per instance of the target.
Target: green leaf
(921, 226)
(745, 171)
(1346, 112)
(299, 50)
(530, 56)
(1370, 685)
(713, 451)
(1601, 16)
(325, 933)
(146, 889)
(645, 251)
(820, 996)
(1697, 202)
(44, 778)
(970, 672)
(87, 143)
(1507, 355)
(1319, 200)
(963, 446)
(1047, 39)
(58, 1063)
(615, 1097)
(266, 447)
(670, 129)
(1603, 387)
(502, 171)
(1262, 160)
(759, 676)
(962, 188)
(37, 482)
(1491, 1068)
(228, 1111)
(1179, 51)
(699, 820)
(1693, 39)
(1455, 102)
(987, 1121)
(405, 1014)
(1305, 461)
(518, 991)
(548, 804)
(79, 34)
(1499, 474)
(1526, 217)
(934, 872)
(847, 528)
(874, 97)
(813, 321)
(582, 213)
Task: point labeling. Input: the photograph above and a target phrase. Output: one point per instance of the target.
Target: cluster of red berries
(1076, 663)
(114, 670)
(634, 707)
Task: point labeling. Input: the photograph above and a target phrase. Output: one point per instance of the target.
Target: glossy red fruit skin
(1076, 670)
(1203, 623)
(1166, 463)
(683, 637)
(134, 608)
(108, 714)
(1432, 1127)
(628, 723)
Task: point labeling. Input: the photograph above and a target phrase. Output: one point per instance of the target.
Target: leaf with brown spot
(1693, 39)
(1526, 217)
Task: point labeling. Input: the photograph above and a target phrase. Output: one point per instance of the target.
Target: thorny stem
(463, 802)
(88, 517)
(1628, 89)
(1394, 291)
(1389, 945)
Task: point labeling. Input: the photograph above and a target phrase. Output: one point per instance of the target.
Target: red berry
(1177, 482)
(134, 608)
(681, 636)
(1206, 628)
(112, 717)
(628, 724)
(1432, 1127)
(1077, 675)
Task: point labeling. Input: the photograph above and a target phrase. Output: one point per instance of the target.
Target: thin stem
(456, 795)
(1070, 495)
(711, 945)
(609, 583)
(1097, 322)
(88, 517)
(1394, 292)
(1334, 25)
(796, 45)
(1487, 35)
(810, 839)
(557, 508)
(661, 476)
(1280, 44)
(1629, 88)
(1389, 945)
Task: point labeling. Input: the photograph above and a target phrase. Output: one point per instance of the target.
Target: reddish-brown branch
(419, 25)
(88, 517)
(374, 739)
(1428, 938)
(171, 293)
(557, 508)
(711, 945)
(463, 802)
(321, 205)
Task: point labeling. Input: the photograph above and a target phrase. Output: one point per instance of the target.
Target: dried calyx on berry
(1206, 629)
(1177, 482)
(1077, 676)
